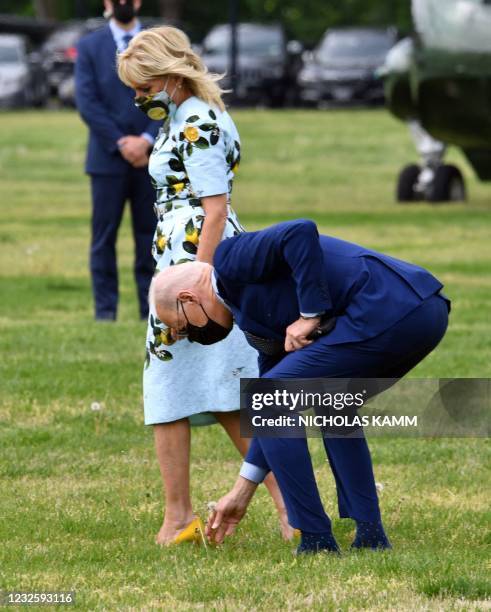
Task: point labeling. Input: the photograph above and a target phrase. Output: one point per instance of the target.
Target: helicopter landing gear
(433, 181)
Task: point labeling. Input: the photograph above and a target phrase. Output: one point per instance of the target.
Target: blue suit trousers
(109, 195)
(391, 354)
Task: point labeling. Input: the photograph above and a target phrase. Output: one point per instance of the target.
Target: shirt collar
(118, 33)
(215, 289)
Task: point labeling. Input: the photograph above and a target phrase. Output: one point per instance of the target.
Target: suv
(343, 66)
(60, 54)
(267, 64)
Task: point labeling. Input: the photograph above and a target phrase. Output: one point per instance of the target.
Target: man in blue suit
(120, 140)
(277, 284)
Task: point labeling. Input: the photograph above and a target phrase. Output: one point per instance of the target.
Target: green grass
(80, 491)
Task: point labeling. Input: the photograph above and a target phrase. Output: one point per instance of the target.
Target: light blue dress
(196, 154)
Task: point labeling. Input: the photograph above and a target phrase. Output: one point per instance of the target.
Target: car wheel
(27, 98)
(406, 184)
(42, 96)
(448, 185)
(276, 100)
(291, 99)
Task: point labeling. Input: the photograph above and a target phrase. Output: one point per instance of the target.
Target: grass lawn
(80, 490)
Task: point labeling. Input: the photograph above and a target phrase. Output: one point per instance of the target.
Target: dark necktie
(126, 40)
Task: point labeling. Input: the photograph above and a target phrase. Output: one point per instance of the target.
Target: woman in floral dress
(193, 164)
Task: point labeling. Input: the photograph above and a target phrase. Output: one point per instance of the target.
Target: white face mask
(157, 105)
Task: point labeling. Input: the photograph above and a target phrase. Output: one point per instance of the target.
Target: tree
(46, 9)
(171, 11)
(305, 20)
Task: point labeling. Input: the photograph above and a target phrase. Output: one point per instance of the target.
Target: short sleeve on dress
(202, 143)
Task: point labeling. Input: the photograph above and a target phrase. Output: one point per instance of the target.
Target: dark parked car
(267, 63)
(342, 68)
(22, 79)
(60, 52)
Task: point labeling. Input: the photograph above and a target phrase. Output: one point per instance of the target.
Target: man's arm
(291, 247)
(255, 467)
(229, 511)
(89, 104)
(151, 131)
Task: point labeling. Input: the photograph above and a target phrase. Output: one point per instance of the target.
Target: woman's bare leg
(230, 421)
(172, 445)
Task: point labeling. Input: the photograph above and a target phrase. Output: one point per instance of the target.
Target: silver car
(22, 80)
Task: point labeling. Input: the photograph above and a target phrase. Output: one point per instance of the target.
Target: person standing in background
(120, 141)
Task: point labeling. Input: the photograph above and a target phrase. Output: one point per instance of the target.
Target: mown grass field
(80, 490)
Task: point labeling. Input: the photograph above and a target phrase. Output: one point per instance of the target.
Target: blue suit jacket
(269, 277)
(106, 104)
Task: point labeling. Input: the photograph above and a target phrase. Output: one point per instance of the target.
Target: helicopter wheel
(406, 184)
(448, 185)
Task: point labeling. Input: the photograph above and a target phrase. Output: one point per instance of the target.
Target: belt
(172, 206)
(272, 346)
(166, 209)
(268, 346)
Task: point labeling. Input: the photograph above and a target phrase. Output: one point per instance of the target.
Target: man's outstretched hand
(229, 511)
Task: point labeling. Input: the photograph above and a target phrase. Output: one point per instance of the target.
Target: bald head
(190, 284)
(172, 282)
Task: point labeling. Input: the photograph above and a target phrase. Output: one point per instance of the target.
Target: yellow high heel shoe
(194, 532)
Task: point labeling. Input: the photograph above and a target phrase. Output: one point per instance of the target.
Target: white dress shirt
(119, 38)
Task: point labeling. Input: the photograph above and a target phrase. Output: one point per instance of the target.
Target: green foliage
(19, 7)
(306, 20)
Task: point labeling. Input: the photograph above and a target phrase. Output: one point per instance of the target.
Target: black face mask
(124, 13)
(209, 333)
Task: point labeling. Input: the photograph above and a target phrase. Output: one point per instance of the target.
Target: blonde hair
(166, 51)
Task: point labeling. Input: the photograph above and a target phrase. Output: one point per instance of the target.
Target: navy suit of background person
(120, 139)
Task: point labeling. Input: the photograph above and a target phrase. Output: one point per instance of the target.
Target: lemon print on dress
(161, 338)
(161, 243)
(157, 113)
(193, 237)
(166, 337)
(191, 133)
(178, 187)
(192, 232)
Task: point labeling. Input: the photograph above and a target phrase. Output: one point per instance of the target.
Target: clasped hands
(297, 332)
(134, 150)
